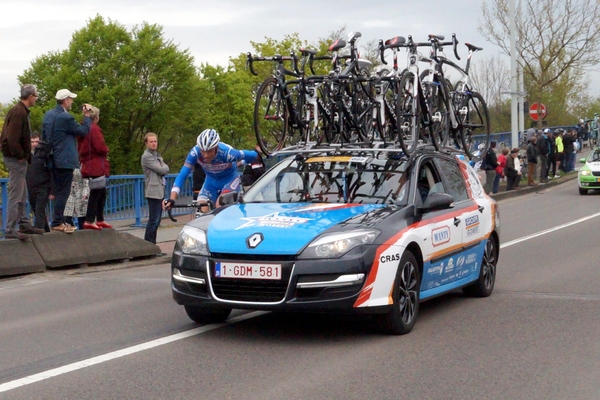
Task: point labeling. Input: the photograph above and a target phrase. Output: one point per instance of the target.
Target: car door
(469, 218)
(442, 232)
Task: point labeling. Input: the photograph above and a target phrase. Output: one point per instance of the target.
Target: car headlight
(193, 241)
(585, 172)
(337, 244)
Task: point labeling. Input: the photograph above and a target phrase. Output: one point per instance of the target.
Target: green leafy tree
(140, 81)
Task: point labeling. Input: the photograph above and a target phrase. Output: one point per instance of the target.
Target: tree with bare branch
(554, 38)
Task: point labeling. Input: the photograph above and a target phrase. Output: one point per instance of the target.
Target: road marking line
(5, 387)
(544, 232)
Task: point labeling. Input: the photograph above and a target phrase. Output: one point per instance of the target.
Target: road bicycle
(197, 208)
(352, 106)
(464, 109)
(417, 118)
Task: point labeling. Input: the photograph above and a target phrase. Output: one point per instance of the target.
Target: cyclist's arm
(188, 166)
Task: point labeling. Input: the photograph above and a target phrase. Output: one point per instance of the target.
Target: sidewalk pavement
(167, 231)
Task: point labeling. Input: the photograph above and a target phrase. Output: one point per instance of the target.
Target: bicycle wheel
(436, 96)
(475, 121)
(413, 127)
(389, 125)
(270, 117)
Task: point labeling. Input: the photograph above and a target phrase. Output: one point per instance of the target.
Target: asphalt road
(117, 334)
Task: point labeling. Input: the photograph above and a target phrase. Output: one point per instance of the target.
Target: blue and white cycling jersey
(220, 171)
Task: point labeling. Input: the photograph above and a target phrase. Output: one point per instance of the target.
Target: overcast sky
(215, 30)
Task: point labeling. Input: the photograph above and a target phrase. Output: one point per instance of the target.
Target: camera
(84, 108)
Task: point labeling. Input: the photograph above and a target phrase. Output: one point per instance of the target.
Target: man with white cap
(61, 130)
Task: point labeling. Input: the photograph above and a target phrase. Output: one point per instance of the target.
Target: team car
(343, 231)
(589, 175)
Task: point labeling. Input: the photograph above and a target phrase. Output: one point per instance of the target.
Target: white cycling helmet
(208, 139)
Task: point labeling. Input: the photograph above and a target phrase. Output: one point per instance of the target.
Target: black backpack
(43, 152)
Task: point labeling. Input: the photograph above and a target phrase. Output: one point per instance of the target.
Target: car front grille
(596, 173)
(251, 290)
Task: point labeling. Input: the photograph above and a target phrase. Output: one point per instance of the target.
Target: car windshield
(332, 179)
(595, 156)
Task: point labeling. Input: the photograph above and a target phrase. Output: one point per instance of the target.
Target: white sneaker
(557, 176)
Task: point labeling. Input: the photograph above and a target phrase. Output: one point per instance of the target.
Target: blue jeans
(155, 214)
(496, 183)
(62, 189)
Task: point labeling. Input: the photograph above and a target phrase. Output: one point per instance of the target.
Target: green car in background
(589, 174)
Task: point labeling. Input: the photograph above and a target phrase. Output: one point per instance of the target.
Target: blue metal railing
(124, 200)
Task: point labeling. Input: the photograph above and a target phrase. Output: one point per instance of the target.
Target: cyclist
(219, 162)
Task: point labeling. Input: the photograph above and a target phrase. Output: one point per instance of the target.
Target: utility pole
(514, 116)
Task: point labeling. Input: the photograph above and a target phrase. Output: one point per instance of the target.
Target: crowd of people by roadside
(547, 153)
(58, 165)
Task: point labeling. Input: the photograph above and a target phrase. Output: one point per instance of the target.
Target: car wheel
(403, 314)
(203, 315)
(583, 191)
(484, 285)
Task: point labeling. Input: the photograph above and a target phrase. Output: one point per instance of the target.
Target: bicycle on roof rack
(464, 111)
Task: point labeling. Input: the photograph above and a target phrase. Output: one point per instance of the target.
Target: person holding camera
(61, 130)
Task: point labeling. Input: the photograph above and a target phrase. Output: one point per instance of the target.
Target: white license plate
(247, 271)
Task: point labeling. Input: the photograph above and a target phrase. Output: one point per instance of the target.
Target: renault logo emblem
(254, 240)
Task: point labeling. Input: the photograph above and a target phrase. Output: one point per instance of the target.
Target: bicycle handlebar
(250, 59)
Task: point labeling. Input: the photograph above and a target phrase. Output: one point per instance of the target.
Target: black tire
(270, 117)
(438, 106)
(407, 114)
(583, 191)
(475, 121)
(484, 285)
(207, 315)
(402, 316)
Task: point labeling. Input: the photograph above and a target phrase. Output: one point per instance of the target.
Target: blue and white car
(343, 231)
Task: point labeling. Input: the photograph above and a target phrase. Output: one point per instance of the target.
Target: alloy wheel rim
(489, 264)
(407, 299)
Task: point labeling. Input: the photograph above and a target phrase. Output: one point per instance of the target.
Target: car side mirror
(582, 160)
(228, 198)
(437, 201)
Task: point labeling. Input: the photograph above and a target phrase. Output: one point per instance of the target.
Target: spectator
(155, 170)
(252, 171)
(39, 184)
(558, 153)
(582, 133)
(489, 164)
(15, 144)
(568, 141)
(500, 169)
(77, 203)
(60, 129)
(543, 149)
(531, 161)
(94, 164)
(513, 174)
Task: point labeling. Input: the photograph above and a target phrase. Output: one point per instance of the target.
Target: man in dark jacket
(511, 173)
(569, 149)
(543, 148)
(61, 129)
(490, 162)
(15, 143)
(39, 184)
(531, 160)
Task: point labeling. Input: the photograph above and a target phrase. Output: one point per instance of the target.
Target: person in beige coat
(155, 171)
